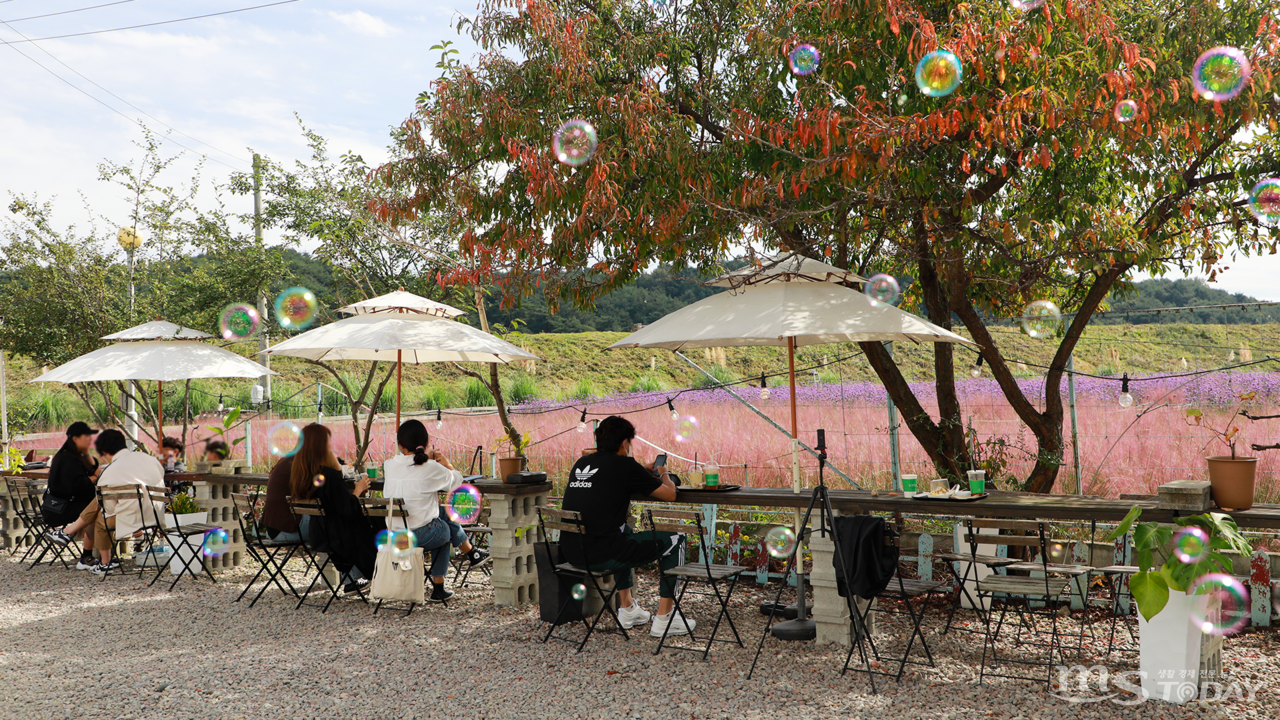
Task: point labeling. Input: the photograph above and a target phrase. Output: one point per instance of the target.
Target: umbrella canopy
(808, 313)
(786, 268)
(164, 361)
(402, 302)
(395, 336)
(158, 330)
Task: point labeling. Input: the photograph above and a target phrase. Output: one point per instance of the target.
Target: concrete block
(1185, 495)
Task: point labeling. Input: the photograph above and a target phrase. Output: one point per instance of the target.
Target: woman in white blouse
(416, 476)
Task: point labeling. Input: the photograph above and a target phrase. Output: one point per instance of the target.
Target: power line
(68, 12)
(126, 102)
(145, 25)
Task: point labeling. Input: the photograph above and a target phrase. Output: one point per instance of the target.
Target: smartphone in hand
(660, 464)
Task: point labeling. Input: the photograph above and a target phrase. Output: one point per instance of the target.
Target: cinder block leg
(515, 577)
(830, 611)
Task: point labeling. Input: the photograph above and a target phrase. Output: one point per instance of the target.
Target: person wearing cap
(72, 474)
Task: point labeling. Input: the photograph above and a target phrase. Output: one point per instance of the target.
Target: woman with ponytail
(415, 476)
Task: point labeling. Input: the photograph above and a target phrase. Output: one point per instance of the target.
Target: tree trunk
(922, 427)
(495, 387)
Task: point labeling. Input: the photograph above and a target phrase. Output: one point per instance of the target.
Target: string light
(582, 421)
(1126, 400)
(439, 418)
(976, 370)
(675, 416)
(219, 402)
(764, 388)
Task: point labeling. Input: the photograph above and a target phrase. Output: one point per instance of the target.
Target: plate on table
(947, 497)
(719, 488)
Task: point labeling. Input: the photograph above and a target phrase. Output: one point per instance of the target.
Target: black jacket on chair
(870, 559)
(352, 539)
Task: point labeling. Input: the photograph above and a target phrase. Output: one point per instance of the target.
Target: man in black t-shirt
(600, 489)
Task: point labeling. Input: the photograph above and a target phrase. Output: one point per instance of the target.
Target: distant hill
(1185, 292)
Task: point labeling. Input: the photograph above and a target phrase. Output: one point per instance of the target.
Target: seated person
(216, 451)
(416, 476)
(171, 455)
(600, 488)
(123, 516)
(72, 474)
(346, 533)
(278, 520)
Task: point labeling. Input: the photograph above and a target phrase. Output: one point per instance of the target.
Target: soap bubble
(383, 540)
(464, 504)
(402, 544)
(780, 542)
(939, 73)
(238, 322)
(574, 143)
(1125, 111)
(1264, 201)
(804, 59)
(579, 591)
(1041, 319)
(881, 289)
(1057, 553)
(318, 480)
(1220, 73)
(686, 429)
(284, 439)
(296, 308)
(1227, 608)
(1026, 5)
(216, 543)
(659, 4)
(1191, 545)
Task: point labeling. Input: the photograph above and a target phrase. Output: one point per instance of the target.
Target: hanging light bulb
(1126, 400)
(582, 421)
(439, 418)
(219, 402)
(764, 388)
(976, 370)
(675, 416)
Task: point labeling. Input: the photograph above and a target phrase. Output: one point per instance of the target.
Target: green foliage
(434, 397)
(583, 389)
(182, 504)
(720, 375)
(224, 429)
(1160, 570)
(475, 394)
(1183, 292)
(521, 389)
(647, 383)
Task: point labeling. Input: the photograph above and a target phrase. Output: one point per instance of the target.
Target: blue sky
(350, 70)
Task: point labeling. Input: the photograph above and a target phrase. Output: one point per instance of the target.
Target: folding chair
(1118, 577)
(263, 549)
(188, 537)
(897, 589)
(696, 573)
(1077, 575)
(479, 536)
(567, 521)
(388, 509)
(971, 561)
(1031, 598)
(313, 509)
(27, 496)
(20, 498)
(118, 495)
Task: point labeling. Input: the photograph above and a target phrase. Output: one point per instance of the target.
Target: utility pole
(263, 342)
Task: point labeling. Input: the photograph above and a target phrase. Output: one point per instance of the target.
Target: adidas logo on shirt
(583, 477)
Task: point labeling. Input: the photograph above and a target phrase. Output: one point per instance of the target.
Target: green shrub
(721, 374)
(522, 389)
(583, 389)
(647, 383)
(435, 397)
(475, 394)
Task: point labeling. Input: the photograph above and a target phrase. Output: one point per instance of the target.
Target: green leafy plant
(1160, 570)
(13, 458)
(721, 375)
(475, 394)
(1230, 432)
(183, 504)
(583, 389)
(522, 389)
(503, 441)
(224, 429)
(647, 383)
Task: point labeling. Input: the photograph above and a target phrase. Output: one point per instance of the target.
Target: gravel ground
(77, 647)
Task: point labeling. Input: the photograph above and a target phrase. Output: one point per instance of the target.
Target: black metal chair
(314, 510)
(970, 561)
(566, 521)
(388, 509)
(263, 549)
(20, 500)
(188, 540)
(689, 522)
(479, 536)
(26, 496)
(1031, 598)
(114, 497)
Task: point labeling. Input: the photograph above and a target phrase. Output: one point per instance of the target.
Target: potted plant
(1170, 640)
(223, 431)
(513, 461)
(1231, 477)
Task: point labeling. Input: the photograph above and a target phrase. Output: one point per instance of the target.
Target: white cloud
(364, 23)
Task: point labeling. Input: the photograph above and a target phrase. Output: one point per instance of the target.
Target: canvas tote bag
(399, 579)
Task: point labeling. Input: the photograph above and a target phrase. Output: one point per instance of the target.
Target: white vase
(1176, 655)
(182, 552)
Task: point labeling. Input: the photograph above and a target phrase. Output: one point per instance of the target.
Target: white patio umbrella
(402, 302)
(400, 338)
(788, 267)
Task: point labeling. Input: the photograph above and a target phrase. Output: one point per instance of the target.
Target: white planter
(183, 553)
(187, 518)
(1176, 656)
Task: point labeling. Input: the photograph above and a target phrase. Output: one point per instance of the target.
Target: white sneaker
(680, 625)
(633, 616)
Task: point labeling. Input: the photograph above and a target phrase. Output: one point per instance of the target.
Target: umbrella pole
(399, 365)
(160, 411)
(802, 628)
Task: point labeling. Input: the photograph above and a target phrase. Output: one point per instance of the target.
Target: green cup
(373, 473)
(908, 483)
(977, 481)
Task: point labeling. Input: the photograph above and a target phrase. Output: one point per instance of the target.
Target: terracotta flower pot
(1231, 481)
(509, 465)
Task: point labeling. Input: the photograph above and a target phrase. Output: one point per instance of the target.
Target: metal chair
(118, 495)
(388, 509)
(188, 540)
(965, 579)
(263, 549)
(479, 536)
(314, 510)
(688, 522)
(567, 521)
(26, 496)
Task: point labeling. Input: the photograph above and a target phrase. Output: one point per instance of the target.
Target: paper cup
(977, 481)
(908, 483)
